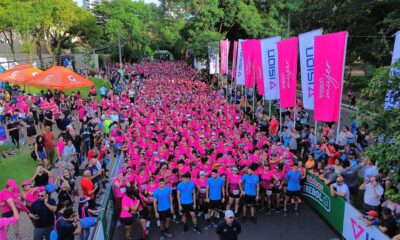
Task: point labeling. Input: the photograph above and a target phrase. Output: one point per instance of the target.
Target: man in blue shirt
(293, 178)
(215, 195)
(186, 194)
(249, 188)
(162, 207)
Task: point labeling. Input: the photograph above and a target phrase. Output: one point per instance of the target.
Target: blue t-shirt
(186, 192)
(163, 197)
(293, 180)
(250, 184)
(215, 186)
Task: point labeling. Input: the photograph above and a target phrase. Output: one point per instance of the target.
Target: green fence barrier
(319, 196)
(342, 216)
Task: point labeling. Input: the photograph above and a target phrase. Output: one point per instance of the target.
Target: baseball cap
(235, 169)
(202, 173)
(372, 213)
(229, 214)
(26, 183)
(11, 183)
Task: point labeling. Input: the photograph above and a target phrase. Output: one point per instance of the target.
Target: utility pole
(119, 49)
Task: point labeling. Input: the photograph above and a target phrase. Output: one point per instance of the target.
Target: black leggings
(15, 139)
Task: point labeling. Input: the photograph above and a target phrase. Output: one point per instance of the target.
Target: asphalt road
(307, 226)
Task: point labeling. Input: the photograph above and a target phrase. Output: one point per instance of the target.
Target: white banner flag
(213, 58)
(240, 64)
(269, 51)
(306, 48)
(390, 101)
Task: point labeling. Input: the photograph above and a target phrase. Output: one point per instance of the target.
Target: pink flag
(329, 59)
(253, 64)
(235, 45)
(287, 68)
(224, 47)
(248, 62)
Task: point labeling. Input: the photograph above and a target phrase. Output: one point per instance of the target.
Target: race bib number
(122, 190)
(143, 187)
(235, 192)
(269, 193)
(203, 190)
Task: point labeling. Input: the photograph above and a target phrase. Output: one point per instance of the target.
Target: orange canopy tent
(59, 78)
(19, 74)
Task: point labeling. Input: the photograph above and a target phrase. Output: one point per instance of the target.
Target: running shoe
(197, 229)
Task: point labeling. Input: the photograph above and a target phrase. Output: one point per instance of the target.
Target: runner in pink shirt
(233, 189)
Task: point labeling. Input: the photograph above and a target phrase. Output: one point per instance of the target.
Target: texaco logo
(48, 78)
(72, 79)
(14, 74)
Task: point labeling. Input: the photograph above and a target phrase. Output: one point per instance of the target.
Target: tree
(384, 124)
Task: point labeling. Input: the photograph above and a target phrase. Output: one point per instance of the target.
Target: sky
(80, 2)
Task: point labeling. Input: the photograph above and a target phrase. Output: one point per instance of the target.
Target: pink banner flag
(224, 47)
(329, 59)
(235, 46)
(248, 62)
(258, 68)
(287, 68)
(252, 60)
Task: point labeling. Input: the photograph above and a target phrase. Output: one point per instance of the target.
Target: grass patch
(20, 167)
(84, 91)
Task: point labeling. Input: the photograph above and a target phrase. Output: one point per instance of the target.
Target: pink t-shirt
(234, 184)
(127, 202)
(60, 147)
(119, 192)
(267, 179)
(150, 190)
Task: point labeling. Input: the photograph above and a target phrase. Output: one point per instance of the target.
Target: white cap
(229, 214)
(202, 173)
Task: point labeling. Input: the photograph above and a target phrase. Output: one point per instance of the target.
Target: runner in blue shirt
(186, 194)
(293, 178)
(162, 207)
(250, 189)
(215, 195)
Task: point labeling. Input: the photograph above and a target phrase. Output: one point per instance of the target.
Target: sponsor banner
(249, 62)
(390, 101)
(306, 48)
(235, 46)
(224, 48)
(240, 64)
(355, 229)
(287, 62)
(269, 51)
(213, 58)
(329, 60)
(319, 197)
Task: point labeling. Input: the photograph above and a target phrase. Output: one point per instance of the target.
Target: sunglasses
(41, 196)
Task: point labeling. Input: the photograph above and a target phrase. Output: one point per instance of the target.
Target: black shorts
(276, 191)
(234, 196)
(165, 214)
(293, 193)
(127, 221)
(144, 214)
(213, 204)
(187, 208)
(249, 200)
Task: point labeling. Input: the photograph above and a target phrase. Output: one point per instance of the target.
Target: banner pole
(294, 116)
(280, 118)
(254, 100)
(270, 103)
(316, 131)
(341, 90)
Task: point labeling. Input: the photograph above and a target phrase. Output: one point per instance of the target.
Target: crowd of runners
(191, 152)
